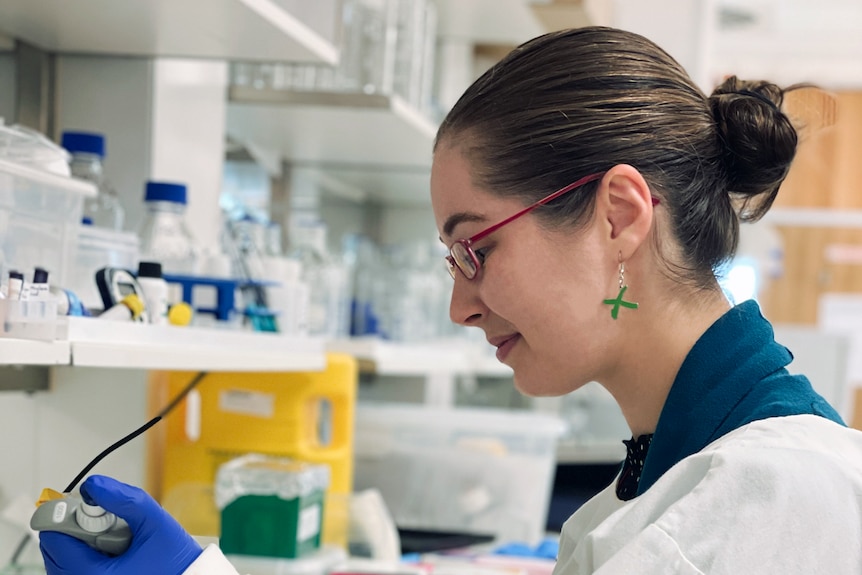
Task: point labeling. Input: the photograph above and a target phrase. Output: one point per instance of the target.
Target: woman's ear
(625, 204)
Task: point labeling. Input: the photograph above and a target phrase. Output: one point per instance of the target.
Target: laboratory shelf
(446, 356)
(101, 343)
(815, 217)
(404, 359)
(222, 29)
(33, 352)
(374, 142)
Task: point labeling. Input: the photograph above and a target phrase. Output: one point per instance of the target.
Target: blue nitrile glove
(159, 544)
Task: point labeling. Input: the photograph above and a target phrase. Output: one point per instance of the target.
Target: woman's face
(538, 296)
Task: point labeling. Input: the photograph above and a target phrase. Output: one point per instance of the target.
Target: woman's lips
(506, 346)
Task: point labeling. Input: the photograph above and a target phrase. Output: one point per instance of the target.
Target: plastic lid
(165, 192)
(180, 314)
(40, 276)
(149, 270)
(87, 142)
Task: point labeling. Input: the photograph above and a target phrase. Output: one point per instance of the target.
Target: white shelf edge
(814, 217)
(58, 181)
(33, 352)
(136, 356)
(454, 357)
(294, 28)
(100, 343)
(273, 121)
(259, 30)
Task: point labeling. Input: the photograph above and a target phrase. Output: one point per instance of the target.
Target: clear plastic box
(482, 471)
(39, 216)
(33, 319)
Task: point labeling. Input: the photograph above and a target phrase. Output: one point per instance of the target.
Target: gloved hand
(159, 544)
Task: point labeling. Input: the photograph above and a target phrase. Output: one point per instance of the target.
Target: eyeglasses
(461, 254)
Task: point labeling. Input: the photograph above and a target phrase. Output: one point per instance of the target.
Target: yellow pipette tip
(47, 495)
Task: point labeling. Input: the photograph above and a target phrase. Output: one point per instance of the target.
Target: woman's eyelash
(481, 253)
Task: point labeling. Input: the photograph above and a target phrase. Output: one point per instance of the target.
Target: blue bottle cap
(165, 192)
(87, 142)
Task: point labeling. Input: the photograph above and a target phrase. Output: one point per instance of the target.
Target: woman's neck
(654, 349)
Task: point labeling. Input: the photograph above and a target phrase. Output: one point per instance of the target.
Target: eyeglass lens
(464, 260)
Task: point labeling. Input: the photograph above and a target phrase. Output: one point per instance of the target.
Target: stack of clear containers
(387, 47)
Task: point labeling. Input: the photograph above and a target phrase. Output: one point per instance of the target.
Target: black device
(116, 283)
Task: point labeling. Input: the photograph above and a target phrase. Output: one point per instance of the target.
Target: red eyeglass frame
(452, 259)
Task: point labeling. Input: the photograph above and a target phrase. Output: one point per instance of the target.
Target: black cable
(170, 407)
(159, 416)
(110, 449)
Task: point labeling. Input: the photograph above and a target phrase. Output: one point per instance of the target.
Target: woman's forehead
(454, 196)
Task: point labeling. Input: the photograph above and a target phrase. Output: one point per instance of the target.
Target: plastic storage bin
(307, 416)
(39, 216)
(480, 471)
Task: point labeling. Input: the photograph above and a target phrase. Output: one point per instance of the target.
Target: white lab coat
(780, 496)
(211, 562)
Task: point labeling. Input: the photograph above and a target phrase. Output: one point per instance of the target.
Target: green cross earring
(618, 301)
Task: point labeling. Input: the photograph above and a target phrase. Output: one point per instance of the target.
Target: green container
(270, 507)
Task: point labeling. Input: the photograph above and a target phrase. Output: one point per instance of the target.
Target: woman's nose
(465, 307)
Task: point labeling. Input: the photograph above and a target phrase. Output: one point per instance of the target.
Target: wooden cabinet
(818, 211)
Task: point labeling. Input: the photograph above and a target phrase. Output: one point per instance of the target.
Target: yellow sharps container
(307, 416)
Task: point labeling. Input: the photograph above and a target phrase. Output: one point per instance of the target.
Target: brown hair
(575, 102)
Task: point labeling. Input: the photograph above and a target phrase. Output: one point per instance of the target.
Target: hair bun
(759, 141)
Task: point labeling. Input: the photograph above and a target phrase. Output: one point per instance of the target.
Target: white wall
(163, 119)
(683, 28)
(112, 96)
(48, 437)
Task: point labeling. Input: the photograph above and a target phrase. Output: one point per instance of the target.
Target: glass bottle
(87, 152)
(165, 238)
(327, 279)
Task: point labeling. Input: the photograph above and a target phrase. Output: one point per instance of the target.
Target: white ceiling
(790, 40)
(782, 40)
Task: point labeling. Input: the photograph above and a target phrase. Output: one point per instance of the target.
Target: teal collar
(735, 374)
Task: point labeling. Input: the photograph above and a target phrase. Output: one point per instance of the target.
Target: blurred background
(302, 134)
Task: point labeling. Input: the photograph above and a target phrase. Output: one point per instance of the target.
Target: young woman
(587, 191)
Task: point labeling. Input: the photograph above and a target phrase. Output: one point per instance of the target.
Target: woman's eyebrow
(459, 218)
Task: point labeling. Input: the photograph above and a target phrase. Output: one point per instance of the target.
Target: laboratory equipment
(155, 291)
(224, 301)
(467, 470)
(270, 506)
(328, 280)
(307, 416)
(130, 308)
(91, 524)
(114, 284)
(28, 319)
(15, 287)
(87, 154)
(27, 147)
(165, 238)
(40, 213)
(39, 286)
(98, 248)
